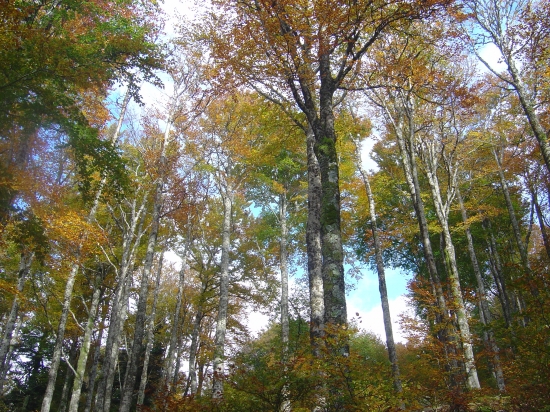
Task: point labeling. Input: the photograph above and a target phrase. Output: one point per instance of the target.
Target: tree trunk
(515, 226)
(193, 350)
(283, 265)
(441, 210)
(498, 274)
(540, 218)
(139, 331)
(93, 371)
(485, 313)
(132, 234)
(56, 356)
(85, 349)
(313, 241)
(150, 336)
(221, 323)
(172, 352)
(69, 375)
(392, 354)
(331, 236)
(24, 269)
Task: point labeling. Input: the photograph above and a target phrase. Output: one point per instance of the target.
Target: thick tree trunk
(334, 289)
(313, 242)
(221, 323)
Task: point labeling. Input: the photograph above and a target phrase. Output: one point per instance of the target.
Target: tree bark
(441, 209)
(67, 296)
(132, 234)
(513, 220)
(139, 331)
(378, 250)
(485, 313)
(69, 375)
(313, 242)
(169, 370)
(150, 336)
(221, 323)
(283, 265)
(24, 268)
(93, 371)
(193, 350)
(86, 340)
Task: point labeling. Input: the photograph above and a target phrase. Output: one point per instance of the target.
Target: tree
(307, 53)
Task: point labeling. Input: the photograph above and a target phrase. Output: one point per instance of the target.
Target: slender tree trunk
(485, 313)
(193, 350)
(172, 352)
(93, 371)
(513, 220)
(313, 241)
(540, 218)
(221, 324)
(131, 238)
(498, 274)
(381, 277)
(24, 268)
(404, 133)
(528, 107)
(139, 331)
(69, 375)
(150, 336)
(411, 176)
(85, 349)
(283, 265)
(441, 210)
(56, 356)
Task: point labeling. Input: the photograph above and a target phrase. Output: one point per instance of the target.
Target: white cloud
(373, 320)
(491, 54)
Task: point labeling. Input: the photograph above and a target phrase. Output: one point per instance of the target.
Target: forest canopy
(161, 183)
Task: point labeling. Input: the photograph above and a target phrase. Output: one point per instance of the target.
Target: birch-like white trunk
(132, 233)
(69, 285)
(139, 331)
(485, 313)
(150, 336)
(169, 370)
(24, 268)
(221, 323)
(442, 212)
